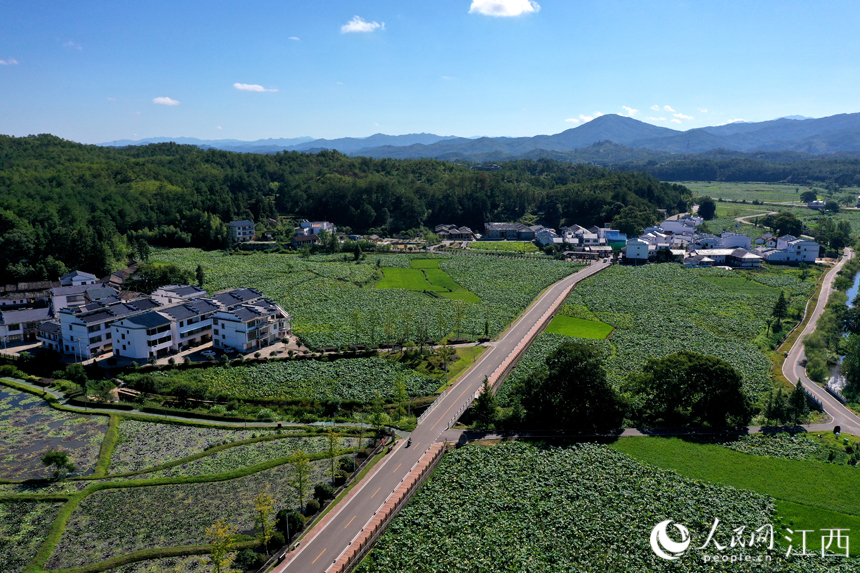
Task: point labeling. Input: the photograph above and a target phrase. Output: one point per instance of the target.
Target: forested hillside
(65, 205)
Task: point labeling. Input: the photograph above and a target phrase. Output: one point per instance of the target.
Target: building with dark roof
(21, 325)
(454, 233)
(508, 231)
(177, 293)
(241, 231)
(251, 326)
(78, 278)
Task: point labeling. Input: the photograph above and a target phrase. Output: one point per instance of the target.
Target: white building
(143, 336)
(735, 240)
(250, 326)
(636, 251)
(79, 295)
(799, 250)
(546, 237)
(315, 227)
(77, 278)
(241, 231)
(86, 331)
(21, 325)
(177, 293)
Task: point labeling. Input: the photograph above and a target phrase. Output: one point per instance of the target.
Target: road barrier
(362, 543)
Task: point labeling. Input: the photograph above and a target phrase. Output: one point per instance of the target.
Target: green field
(526, 507)
(781, 192)
(810, 495)
(578, 328)
(742, 285)
(424, 275)
(510, 246)
(333, 301)
(816, 484)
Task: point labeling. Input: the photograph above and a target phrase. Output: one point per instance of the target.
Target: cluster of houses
(678, 240)
(86, 318)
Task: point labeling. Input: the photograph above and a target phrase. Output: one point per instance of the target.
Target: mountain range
(833, 134)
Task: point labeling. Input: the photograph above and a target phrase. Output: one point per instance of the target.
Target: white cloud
(253, 88)
(339, 83)
(682, 116)
(358, 24)
(584, 118)
(655, 107)
(448, 78)
(630, 111)
(737, 120)
(656, 118)
(668, 108)
(503, 7)
(9, 62)
(294, 38)
(70, 45)
(218, 127)
(703, 110)
(165, 101)
(135, 113)
(676, 121)
(111, 99)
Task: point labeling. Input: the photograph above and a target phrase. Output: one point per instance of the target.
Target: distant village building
(635, 252)
(817, 205)
(241, 231)
(21, 325)
(78, 278)
(454, 233)
(315, 228)
(177, 293)
(508, 231)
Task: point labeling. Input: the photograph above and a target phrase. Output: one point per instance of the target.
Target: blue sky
(99, 71)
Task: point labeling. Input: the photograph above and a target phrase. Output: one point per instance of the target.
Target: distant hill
(826, 135)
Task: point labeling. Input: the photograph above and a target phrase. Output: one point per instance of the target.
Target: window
(123, 337)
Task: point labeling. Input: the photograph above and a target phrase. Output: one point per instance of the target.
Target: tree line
(65, 205)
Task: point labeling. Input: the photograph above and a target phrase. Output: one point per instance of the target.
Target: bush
(293, 519)
(277, 541)
(312, 507)
(248, 559)
(218, 409)
(323, 491)
(361, 454)
(265, 415)
(347, 464)
(340, 477)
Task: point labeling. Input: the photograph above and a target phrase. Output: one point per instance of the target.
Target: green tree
(59, 461)
(75, 373)
(376, 412)
(201, 276)
(690, 389)
(572, 391)
(808, 196)
(264, 509)
(142, 248)
(780, 308)
(798, 404)
(707, 208)
(485, 408)
(851, 320)
(333, 439)
(850, 367)
(221, 536)
(301, 475)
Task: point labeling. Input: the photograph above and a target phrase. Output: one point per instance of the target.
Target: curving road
(793, 371)
(321, 548)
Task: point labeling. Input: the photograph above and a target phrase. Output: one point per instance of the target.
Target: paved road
(792, 369)
(317, 554)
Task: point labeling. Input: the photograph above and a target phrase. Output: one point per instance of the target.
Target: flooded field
(29, 427)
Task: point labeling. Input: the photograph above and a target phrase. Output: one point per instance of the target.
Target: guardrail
(364, 541)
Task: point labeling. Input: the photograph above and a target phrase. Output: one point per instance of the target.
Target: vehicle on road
(208, 353)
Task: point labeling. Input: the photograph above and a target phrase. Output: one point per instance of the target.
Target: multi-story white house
(241, 231)
(80, 295)
(21, 325)
(143, 336)
(636, 251)
(799, 250)
(250, 326)
(86, 331)
(315, 228)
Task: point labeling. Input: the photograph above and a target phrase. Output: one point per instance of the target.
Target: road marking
(318, 556)
(398, 467)
(376, 492)
(418, 444)
(353, 517)
(449, 408)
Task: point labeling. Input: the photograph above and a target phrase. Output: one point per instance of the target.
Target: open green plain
(578, 327)
(734, 191)
(502, 246)
(424, 275)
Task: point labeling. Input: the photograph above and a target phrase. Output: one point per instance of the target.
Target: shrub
(277, 540)
(248, 559)
(265, 415)
(294, 519)
(347, 464)
(218, 409)
(323, 491)
(312, 507)
(361, 454)
(340, 477)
